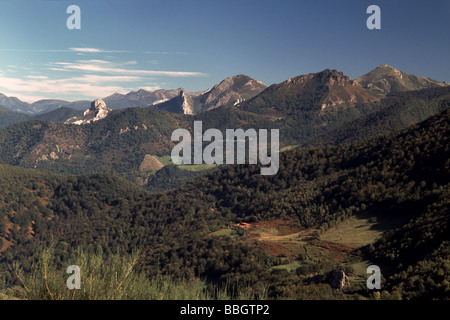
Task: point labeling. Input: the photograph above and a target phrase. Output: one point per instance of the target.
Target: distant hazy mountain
(229, 92)
(14, 104)
(141, 98)
(47, 105)
(41, 106)
(9, 117)
(385, 79)
(59, 115)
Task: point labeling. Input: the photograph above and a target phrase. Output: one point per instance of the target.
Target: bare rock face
(187, 107)
(338, 279)
(97, 111)
(96, 106)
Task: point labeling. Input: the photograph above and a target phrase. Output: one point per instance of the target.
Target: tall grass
(114, 278)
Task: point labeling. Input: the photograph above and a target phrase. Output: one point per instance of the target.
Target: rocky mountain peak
(327, 77)
(337, 77)
(384, 66)
(115, 96)
(229, 92)
(331, 87)
(385, 79)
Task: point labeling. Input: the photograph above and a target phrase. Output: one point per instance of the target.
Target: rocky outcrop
(186, 106)
(97, 111)
(337, 279)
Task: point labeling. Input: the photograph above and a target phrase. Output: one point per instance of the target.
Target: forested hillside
(9, 117)
(402, 177)
(119, 143)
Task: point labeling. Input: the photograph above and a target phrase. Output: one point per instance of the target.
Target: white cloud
(86, 50)
(154, 88)
(114, 68)
(92, 78)
(37, 77)
(97, 50)
(166, 53)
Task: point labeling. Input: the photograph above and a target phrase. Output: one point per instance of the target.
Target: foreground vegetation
(110, 278)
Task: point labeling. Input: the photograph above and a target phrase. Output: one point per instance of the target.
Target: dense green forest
(403, 175)
(170, 177)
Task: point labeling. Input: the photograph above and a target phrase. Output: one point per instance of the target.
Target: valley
(363, 181)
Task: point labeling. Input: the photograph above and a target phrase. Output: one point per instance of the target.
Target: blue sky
(194, 44)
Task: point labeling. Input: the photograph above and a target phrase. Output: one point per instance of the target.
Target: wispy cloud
(103, 66)
(97, 50)
(81, 50)
(166, 52)
(37, 77)
(87, 50)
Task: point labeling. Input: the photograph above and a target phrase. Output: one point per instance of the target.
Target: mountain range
(141, 98)
(324, 107)
(322, 91)
(234, 90)
(38, 107)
